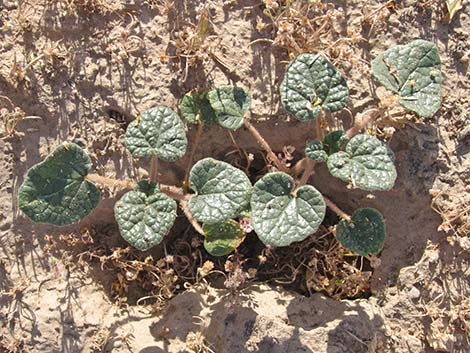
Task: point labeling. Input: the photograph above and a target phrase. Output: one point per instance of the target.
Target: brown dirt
(51, 303)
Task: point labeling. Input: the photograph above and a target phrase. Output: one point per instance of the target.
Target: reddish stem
(370, 116)
(332, 206)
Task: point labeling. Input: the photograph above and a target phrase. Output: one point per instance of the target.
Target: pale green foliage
(281, 217)
(159, 131)
(195, 108)
(230, 105)
(222, 191)
(366, 163)
(222, 238)
(145, 215)
(55, 191)
(311, 84)
(413, 71)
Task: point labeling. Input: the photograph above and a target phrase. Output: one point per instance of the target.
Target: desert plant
(282, 208)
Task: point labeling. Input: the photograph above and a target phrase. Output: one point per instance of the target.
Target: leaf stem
(260, 139)
(299, 166)
(153, 176)
(366, 118)
(308, 171)
(332, 206)
(174, 192)
(95, 178)
(191, 219)
(199, 130)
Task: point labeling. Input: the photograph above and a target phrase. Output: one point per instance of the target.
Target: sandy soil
(102, 65)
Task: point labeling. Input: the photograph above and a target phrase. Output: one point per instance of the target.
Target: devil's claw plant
(215, 196)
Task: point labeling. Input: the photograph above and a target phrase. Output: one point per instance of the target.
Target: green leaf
(55, 191)
(145, 215)
(159, 131)
(195, 108)
(222, 191)
(367, 163)
(222, 238)
(335, 141)
(311, 84)
(413, 71)
(314, 150)
(230, 105)
(280, 217)
(364, 234)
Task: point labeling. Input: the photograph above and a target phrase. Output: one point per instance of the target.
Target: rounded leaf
(145, 215)
(195, 108)
(335, 141)
(55, 191)
(311, 84)
(413, 71)
(366, 163)
(314, 150)
(280, 217)
(230, 105)
(364, 234)
(159, 131)
(222, 238)
(222, 191)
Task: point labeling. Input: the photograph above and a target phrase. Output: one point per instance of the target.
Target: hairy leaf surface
(230, 105)
(222, 238)
(413, 71)
(314, 150)
(364, 234)
(311, 84)
(55, 191)
(145, 215)
(222, 191)
(196, 108)
(366, 163)
(159, 131)
(281, 218)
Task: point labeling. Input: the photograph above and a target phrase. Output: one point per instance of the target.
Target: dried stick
(308, 171)
(370, 115)
(172, 191)
(199, 130)
(332, 206)
(260, 139)
(95, 178)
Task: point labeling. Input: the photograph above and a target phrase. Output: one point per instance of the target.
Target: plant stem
(370, 115)
(153, 176)
(199, 130)
(279, 165)
(332, 206)
(189, 216)
(95, 178)
(174, 192)
(299, 166)
(308, 171)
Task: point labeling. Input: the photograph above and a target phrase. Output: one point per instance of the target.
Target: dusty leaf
(55, 191)
(159, 131)
(222, 191)
(195, 108)
(145, 215)
(311, 84)
(366, 163)
(364, 234)
(281, 218)
(230, 105)
(413, 71)
(453, 6)
(222, 238)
